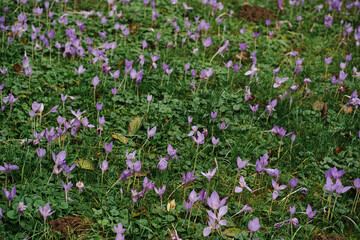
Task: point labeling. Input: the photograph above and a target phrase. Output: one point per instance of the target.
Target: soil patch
(70, 226)
(254, 14)
(323, 237)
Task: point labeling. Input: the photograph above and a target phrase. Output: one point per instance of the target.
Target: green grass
(322, 142)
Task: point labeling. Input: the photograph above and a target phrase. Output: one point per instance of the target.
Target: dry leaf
(324, 111)
(171, 205)
(120, 137)
(86, 164)
(134, 125)
(347, 110)
(318, 106)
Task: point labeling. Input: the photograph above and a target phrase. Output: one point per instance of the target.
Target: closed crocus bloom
(357, 184)
(253, 226)
(207, 42)
(162, 165)
(213, 115)
(149, 98)
(104, 166)
(293, 183)
(46, 211)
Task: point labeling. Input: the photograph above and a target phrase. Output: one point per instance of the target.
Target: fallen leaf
(232, 231)
(134, 125)
(324, 111)
(171, 205)
(86, 164)
(318, 106)
(347, 110)
(339, 149)
(120, 137)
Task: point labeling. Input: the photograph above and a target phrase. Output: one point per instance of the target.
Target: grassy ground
(326, 130)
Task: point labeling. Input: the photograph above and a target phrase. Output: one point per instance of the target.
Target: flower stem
(197, 150)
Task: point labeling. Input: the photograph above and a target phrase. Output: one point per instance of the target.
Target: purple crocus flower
(215, 140)
(149, 98)
(119, 229)
(277, 188)
(95, 81)
(243, 46)
(67, 188)
(190, 119)
(162, 165)
(292, 210)
(293, 183)
(104, 166)
(253, 226)
(130, 156)
(99, 106)
(252, 71)
(209, 174)
(207, 42)
(21, 208)
(3, 71)
(339, 188)
(46, 211)
(337, 173)
(200, 138)
(214, 201)
(188, 206)
(223, 126)
(213, 115)
(270, 108)
(328, 60)
(254, 108)
(108, 147)
(80, 70)
(357, 184)
(151, 132)
(328, 21)
(8, 168)
(255, 35)
(10, 194)
(136, 166)
(241, 164)
(242, 185)
(172, 152)
(11, 99)
(68, 169)
(188, 177)
(160, 191)
(273, 172)
(41, 153)
(310, 213)
(154, 59)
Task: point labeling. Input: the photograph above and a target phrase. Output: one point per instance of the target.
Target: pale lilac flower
(223, 125)
(293, 183)
(242, 185)
(253, 226)
(104, 166)
(46, 211)
(162, 165)
(310, 213)
(10, 194)
(21, 208)
(277, 188)
(215, 140)
(151, 132)
(209, 174)
(241, 164)
(214, 201)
